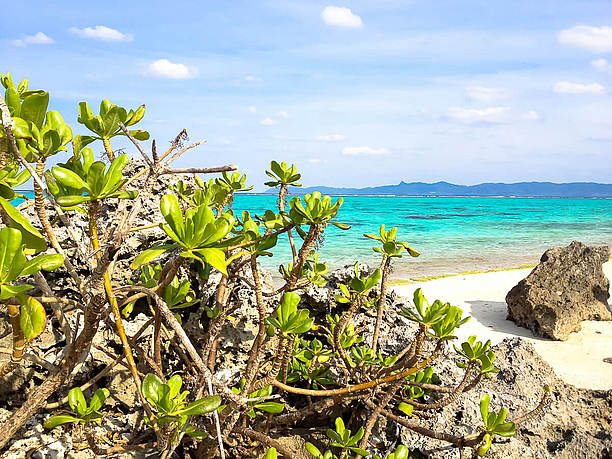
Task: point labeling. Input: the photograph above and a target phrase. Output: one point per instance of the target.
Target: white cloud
(595, 39)
(253, 78)
(330, 138)
(341, 17)
(163, 68)
(473, 115)
(101, 33)
(365, 151)
(283, 114)
(268, 122)
(38, 38)
(253, 109)
(487, 95)
(531, 115)
(314, 160)
(566, 87)
(601, 64)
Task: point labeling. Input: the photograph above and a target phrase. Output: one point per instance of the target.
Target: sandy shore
(578, 361)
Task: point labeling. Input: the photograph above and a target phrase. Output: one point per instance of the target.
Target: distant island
(521, 189)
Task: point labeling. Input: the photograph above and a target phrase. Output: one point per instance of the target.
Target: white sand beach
(578, 361)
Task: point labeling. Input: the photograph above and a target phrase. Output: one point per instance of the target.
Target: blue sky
(354, 93)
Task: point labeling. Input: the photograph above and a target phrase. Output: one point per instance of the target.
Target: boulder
(567, 287)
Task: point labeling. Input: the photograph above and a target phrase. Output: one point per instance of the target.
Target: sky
(354, 93)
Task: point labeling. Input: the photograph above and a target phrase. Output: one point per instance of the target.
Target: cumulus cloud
(601, 64)
(101, 33)
(364, 151)
(531, 115)
(567, 87)
(490, 115)
(163, 68)
(341, 17)
(474, 115)
(38, 38)
(330, 138)
(487, 95)
(594, 39)
(253, 109)
(268, 121)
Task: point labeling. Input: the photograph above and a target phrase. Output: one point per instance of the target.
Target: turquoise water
(456, 234)
(453, 234)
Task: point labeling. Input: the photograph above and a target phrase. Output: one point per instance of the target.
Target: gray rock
(567, 287)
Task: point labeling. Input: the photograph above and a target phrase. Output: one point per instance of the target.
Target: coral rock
(567, 287)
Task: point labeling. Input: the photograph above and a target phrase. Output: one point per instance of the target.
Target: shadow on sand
(493, 314)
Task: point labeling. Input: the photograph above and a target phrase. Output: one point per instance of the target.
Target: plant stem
(382, 301)
(112, 300)
(19, 342)
(108, 149)
(282, 192)
(254, 354)
(362, 386)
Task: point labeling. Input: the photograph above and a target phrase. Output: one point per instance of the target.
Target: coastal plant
(82, 412)
(97, 243)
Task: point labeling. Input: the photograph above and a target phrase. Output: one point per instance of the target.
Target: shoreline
(579, 361)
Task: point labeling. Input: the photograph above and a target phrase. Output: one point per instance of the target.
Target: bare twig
(135, 142)
(199, 170)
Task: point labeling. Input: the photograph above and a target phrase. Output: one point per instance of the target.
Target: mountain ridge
(443, 188)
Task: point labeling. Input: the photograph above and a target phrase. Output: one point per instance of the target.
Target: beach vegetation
(199, 267)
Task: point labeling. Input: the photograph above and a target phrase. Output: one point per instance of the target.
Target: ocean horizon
(453, 234)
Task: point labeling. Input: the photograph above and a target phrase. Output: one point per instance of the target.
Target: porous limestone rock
(567, 287)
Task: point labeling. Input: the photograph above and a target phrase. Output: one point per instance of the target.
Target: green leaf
(95, 179)
(171, 211)
(406, 408)
(151, 254)
(151, 388)
(97, 400)
(46, 262)
(55, 421)
(360, 451)
(312, 449)
(214, 257)
(271, 454)
(484, 408)
(270, 407)
(13, 101)
(174, 383)
(342, 226)
(68, 178)
(340, 426)
(507, 429)
(10, 244)
(31, 238)
(114, 173)
(202, 406)
(77, 402)
(9, 291)
(72, 200)
(401, 452)
(33, 317)
(482, 450)
(195, 433)
(34, 108)
(140, 134)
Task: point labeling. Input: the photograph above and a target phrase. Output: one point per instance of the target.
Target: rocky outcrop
(567, 287)
(576, 423)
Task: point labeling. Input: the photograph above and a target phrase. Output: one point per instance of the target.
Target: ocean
(453, 234)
